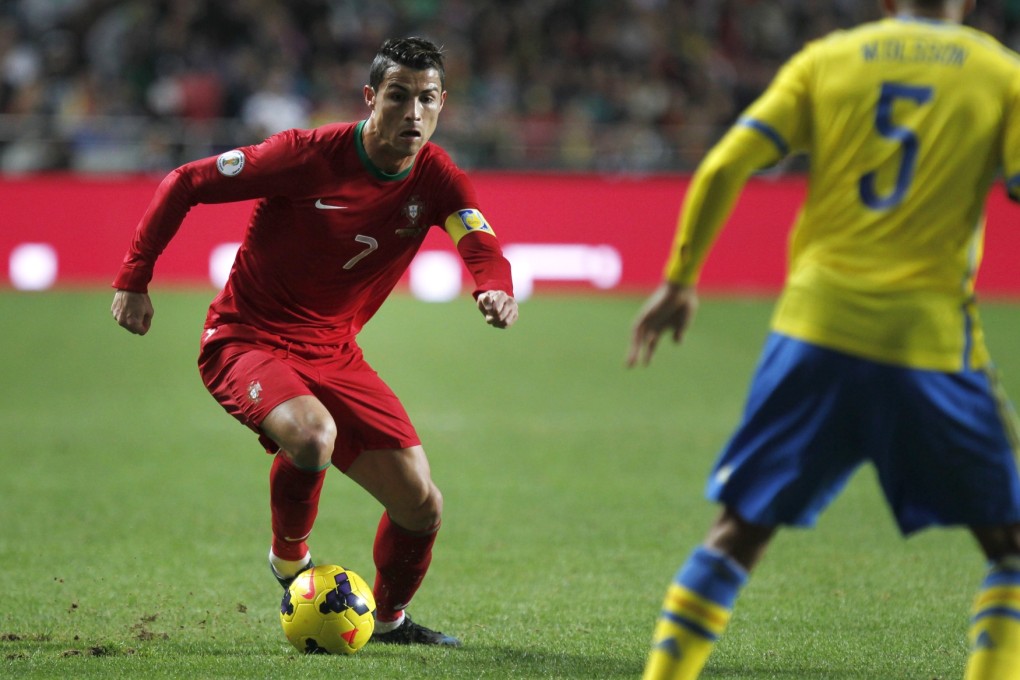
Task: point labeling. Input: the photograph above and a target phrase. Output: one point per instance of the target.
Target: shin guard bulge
(401, 560)
(294, 502)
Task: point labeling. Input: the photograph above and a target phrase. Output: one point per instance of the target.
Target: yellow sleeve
(713, 192)
(773, 126)
(1011, 142)
(463, 222)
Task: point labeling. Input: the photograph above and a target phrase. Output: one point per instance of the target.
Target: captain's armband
(463, 222)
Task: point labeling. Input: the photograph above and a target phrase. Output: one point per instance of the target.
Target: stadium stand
(100, 86)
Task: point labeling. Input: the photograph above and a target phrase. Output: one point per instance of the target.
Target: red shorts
(250, 373)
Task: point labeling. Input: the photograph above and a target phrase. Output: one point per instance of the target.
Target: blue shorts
(944, 444)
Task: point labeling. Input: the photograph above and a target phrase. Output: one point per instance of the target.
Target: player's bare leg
(401, 480)
(995, 623)
(306, 433)
(738, 539)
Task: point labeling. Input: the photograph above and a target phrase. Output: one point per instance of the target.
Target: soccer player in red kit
(340, 212)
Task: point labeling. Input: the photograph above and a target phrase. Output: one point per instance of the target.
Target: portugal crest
(413, 210)
(255, 391)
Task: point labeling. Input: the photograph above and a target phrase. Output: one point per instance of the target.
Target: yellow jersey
(907, 123)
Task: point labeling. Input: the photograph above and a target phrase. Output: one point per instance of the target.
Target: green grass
(134, 512)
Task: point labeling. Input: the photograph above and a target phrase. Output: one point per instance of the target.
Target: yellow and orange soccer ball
(328, 610)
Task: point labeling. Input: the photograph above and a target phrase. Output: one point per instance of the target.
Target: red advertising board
(580, 232)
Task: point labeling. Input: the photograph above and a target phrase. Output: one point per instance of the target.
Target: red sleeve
(171, 202)
(481, 251)
(271, 168)
(484, 259)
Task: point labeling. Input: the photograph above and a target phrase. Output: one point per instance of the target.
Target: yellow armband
(464, 222)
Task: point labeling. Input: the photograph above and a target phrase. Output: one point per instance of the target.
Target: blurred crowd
(578, 85)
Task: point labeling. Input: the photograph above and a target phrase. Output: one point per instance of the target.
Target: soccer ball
(328, 610)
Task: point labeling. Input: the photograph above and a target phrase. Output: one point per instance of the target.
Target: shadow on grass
(514, 662)
(803, 671)
(38, 653)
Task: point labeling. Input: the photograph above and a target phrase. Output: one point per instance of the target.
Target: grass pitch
(134, 511)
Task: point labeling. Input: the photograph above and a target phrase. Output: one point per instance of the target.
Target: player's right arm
(774, 125)
(174, 197)
(770, 128)
(671, 307)
(266, 169)
(714, 190)
(1011, 142)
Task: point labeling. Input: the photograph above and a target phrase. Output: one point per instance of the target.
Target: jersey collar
(359, 144)
(924, 20)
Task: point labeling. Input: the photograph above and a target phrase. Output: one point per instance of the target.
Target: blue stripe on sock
(690, 625)
(1005, 612)
(998, 577)
(712, 576)
(669, 646)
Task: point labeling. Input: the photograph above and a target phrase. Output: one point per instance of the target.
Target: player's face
(405, 109)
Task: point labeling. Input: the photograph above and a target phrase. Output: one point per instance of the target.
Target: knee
(423, 513)
(304, 429)
(311, 442)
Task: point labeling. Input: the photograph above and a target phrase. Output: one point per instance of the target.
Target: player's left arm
(480, 250)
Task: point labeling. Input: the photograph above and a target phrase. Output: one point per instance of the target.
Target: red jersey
(330, 234)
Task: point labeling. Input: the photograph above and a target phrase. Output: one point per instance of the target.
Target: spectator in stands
(643, 85)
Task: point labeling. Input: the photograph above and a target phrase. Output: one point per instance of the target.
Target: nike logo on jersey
(326, 206)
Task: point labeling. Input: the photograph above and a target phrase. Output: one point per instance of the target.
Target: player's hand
(133, 311)
(672, 307)
(500, 309)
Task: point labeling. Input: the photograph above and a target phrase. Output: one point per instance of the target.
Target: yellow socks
(995, 625)
(694, 614)
(700, 600)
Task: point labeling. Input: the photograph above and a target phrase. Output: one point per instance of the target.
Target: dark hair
(416, 53)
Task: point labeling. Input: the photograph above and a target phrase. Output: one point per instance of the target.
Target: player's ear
(369, 95)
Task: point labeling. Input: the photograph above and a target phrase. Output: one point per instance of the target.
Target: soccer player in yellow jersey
(876, 352)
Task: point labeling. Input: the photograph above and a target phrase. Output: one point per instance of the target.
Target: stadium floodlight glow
(33, 266)
(221, 259)
(435, 276)
(600, 265)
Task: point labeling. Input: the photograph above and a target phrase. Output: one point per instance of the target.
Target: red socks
(294, 501)
(401, 560)
(401, 557)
